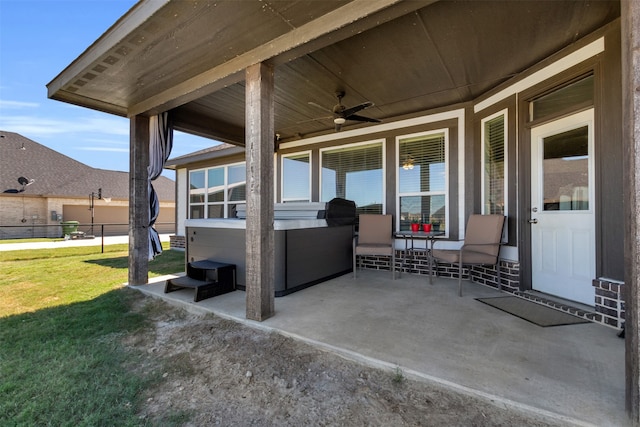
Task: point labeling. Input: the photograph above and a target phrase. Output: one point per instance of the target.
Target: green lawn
(63, 313)
(31, 240)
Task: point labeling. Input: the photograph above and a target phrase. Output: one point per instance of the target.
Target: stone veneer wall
(609, 303)
(177, 242)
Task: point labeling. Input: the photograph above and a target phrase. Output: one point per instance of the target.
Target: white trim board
(453, 114)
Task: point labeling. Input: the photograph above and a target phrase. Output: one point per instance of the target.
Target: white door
(562, 208)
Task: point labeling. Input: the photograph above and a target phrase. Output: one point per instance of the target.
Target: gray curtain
(160, 145)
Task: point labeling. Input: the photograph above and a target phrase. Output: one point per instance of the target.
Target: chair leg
(355, 265)
(498, 274)
(393, 265)
(432, 263)
(353, 246)
(460, 278)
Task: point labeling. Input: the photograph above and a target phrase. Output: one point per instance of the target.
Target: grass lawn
(62, 314)
(35, 239)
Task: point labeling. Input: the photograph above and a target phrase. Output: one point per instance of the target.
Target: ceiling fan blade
(320, 107)
(351, 111)
(316, 119)
(363, 119)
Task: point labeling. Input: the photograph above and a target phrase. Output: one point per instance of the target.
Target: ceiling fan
(341, 113)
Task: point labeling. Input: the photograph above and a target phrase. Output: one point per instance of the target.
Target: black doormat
(533, 312)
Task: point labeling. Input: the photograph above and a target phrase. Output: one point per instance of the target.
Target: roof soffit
(164, 54)
(405, 56)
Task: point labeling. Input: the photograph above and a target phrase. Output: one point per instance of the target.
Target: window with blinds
(296, 177)
(422, 180)
(354, 172)
(214, 192)
(493, 164)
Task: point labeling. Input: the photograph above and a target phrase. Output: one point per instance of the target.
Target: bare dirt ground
(218, 372)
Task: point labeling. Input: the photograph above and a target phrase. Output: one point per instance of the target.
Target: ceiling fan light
(339, 120)
(408, 163)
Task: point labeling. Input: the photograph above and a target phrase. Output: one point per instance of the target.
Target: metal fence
(55, 230)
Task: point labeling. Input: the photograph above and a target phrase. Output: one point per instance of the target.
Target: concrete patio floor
(572, 373)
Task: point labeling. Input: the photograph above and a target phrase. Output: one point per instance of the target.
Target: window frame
(226, 202)
(204, 192)
(447, 190)
(505, 188)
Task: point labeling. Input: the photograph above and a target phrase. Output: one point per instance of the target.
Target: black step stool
(208, 278)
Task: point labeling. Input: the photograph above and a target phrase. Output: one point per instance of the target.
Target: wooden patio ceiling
(405, 56)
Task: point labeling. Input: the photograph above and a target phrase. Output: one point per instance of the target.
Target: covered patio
(573, 374)
(254, 74)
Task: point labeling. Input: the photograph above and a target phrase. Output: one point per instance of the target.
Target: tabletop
(418, 234)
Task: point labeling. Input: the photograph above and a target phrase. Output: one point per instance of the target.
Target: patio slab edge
(489, 398)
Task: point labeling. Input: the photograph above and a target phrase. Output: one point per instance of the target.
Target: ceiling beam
(207, 127)
(358, 15)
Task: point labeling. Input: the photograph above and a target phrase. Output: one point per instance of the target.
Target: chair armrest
(470, 245)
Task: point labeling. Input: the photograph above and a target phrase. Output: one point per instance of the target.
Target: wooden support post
(630, 28)
(260, 252)
(138, 200)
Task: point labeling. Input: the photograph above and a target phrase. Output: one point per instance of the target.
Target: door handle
(533, 221)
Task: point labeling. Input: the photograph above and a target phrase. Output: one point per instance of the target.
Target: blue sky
(38, 39)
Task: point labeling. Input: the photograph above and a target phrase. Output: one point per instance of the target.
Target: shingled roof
(219, 150)
(56, 175)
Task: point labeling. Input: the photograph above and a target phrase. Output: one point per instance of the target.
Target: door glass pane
(566, 171)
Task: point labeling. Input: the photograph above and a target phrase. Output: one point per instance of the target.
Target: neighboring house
(40, 187)
(522, 108)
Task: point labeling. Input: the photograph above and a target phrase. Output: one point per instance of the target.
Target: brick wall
(610, 302)
(177, 242)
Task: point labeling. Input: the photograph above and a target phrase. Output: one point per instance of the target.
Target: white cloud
(14, 105)
(104, 141)
(107, 149)
(43, 127)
